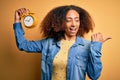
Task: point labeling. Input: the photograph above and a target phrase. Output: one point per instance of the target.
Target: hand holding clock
(29, 20)
(19, 13)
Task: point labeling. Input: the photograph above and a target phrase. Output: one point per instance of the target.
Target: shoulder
(94, 44)
(46, 41)
(85, 42)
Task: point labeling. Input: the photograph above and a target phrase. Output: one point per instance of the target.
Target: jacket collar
(79, 41)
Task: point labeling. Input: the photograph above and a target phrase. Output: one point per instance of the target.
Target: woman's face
(72, 23)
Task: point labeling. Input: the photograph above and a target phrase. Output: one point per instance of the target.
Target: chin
(73, 35)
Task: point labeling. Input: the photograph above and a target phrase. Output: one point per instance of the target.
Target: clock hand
(29, 19)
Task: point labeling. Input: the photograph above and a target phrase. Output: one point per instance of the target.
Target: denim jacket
(84, 56)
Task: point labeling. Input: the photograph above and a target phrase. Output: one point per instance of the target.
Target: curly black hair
(53, 24)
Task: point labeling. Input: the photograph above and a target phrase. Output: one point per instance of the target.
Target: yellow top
(60, 61)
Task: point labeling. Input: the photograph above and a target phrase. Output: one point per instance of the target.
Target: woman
(66, 55)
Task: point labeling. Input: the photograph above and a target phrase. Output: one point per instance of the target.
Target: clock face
(28, 21)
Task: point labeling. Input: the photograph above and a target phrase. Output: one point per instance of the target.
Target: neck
(70, 38)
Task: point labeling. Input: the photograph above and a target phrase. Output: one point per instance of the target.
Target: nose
(73, 23)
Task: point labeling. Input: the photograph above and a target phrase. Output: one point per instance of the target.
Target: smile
(73, 29)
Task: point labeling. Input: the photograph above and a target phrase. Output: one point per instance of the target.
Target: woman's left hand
(99, 38)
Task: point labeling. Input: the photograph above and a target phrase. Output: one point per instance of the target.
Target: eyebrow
(71, 17)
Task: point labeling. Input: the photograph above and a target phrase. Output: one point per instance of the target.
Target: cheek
(78, 25)
(67, 25)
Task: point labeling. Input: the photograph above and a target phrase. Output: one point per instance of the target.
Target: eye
(77, 20)
(68, 20)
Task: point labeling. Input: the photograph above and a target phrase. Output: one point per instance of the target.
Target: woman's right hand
(19, 13)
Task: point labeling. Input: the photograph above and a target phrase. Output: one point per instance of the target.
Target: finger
(25, 11)
(92, 37)
(96, 37)
(22, 11)
(99, 34)
(16, 12)
(99, 37)
(17, 16)
(19, 12)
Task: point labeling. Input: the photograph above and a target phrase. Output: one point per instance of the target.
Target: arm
(22, 43)
(94, 65)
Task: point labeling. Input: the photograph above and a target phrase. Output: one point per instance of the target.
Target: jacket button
(92, 45)
(77, 57)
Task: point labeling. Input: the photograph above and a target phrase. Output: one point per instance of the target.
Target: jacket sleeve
(22, 43)
(94, 65)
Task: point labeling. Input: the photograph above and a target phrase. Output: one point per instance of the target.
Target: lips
(73, 29)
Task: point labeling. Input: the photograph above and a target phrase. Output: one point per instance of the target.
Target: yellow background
(18, 65)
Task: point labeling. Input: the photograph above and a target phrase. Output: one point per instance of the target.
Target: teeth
(72, 28)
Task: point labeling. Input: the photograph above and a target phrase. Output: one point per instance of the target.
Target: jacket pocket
(81, 61)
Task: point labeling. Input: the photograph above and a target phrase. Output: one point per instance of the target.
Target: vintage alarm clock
(29, 20)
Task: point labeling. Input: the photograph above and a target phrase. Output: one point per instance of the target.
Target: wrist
(16, 21)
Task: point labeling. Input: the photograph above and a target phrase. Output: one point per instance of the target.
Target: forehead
(72, 13)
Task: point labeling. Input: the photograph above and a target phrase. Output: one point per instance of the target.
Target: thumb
(107, 38)
(16, 16)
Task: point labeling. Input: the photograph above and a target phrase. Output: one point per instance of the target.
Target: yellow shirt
(60, 61)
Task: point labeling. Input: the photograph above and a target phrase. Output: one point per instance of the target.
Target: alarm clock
(29, 20)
